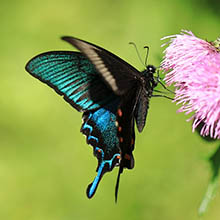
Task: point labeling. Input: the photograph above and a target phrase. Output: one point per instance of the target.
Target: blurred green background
(45, 163)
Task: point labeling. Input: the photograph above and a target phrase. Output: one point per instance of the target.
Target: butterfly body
(111, 94)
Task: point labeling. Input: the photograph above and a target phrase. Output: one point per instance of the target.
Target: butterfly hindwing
(126, 133)
(72, 75)
(125, 127)
(100, 128)
(118, 74)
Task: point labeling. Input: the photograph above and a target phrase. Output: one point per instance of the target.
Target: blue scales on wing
(72, 75)
(101, 131)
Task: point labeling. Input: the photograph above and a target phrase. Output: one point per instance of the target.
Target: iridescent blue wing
(73, 76)
(100, 128)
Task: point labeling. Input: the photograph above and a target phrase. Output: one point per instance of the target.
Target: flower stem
(209, 195)
(212, 187)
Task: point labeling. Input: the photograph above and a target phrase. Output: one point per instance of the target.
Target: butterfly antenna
(147, 48)
(117, 183)
(132, 43)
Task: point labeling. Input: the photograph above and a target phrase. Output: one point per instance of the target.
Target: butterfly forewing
(117, 74)
(72, 75)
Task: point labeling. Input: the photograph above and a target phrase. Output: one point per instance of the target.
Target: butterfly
(111, 93)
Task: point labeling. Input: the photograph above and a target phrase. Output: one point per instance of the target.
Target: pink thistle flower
(193, 66)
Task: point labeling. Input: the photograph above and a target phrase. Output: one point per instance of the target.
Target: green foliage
(45, 164)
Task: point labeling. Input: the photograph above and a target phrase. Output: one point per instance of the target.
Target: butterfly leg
(164, 96)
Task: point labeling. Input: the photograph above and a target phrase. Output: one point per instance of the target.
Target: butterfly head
(150, 69)
(149, 77)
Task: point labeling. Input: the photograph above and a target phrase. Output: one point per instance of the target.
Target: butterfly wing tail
(125, 163)
(91, 189)
(117, 183)
(103, 167)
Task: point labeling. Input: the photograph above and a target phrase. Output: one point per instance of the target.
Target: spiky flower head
(193, 66)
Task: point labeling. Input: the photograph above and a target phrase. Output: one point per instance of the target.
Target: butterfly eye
(151, 69)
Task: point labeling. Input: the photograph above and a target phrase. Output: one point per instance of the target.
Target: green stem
(210, 193)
